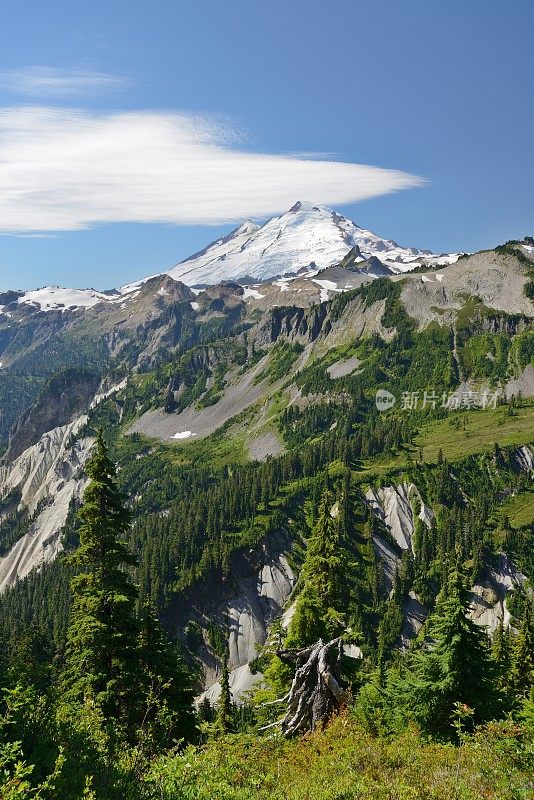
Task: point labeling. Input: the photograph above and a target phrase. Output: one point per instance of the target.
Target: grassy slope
(482, 430)
(520, 509)
(346, 763)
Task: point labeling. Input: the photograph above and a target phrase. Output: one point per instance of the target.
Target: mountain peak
(247, 227)
(305, 205)
(307, 234)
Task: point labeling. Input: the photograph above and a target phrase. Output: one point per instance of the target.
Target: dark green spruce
(452, 670)
(102, 636)
(118, 660)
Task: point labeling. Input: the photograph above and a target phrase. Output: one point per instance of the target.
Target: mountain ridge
(308, 236)
(306, 239)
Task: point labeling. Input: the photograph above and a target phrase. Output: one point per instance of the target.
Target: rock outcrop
(394, 506)
(46, 477)
(488, 597)
(243, 607)
(66, 397)
(523, 459)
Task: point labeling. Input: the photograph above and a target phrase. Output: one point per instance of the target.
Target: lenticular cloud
(67, 170)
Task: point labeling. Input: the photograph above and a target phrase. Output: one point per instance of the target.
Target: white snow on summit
(304, 238)
(299, 243)
(57, 298)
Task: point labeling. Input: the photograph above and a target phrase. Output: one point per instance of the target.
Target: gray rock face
(488, 598)
(523, 459)
(265, 445)
(48, 476)
(241, 680)
(414, 615)
(394, 506)
(495, 278)
(245, 605)
(523, 384)
(66, 397)
(345, 367)
(388, 559)
(260, 600)
(238, 396)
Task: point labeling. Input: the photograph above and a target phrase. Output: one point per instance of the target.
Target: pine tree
(101, 651)
(223, 720)
(170, 404)
(391, 624)
(500, 651)
(165, 691)
(206, 712)
(455, 667)
(318, 612)
(522, 670)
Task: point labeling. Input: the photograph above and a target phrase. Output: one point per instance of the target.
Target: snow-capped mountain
(306, 237)
(304, 240)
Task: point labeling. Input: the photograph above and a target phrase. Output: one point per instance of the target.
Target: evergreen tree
(170, 404)
(454, 667)
(391, 624)
(206, 712)
(318, 612)
(522, 671)
(165, 692)
(501, 654)
(223, 720)
(101, 652)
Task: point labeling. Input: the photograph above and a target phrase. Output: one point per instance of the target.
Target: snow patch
(53, 298)
(248, 292)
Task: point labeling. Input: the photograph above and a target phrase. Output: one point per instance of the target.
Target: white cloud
(66, 170)
(50, 82)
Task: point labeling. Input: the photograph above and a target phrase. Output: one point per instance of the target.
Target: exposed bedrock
(398, 507)
(243, 606)
(45, 478)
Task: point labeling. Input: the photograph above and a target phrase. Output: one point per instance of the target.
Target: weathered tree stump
(315, 693)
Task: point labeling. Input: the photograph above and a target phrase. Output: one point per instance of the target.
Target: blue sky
(126, 90)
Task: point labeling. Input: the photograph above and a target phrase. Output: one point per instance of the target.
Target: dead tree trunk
(315, 693)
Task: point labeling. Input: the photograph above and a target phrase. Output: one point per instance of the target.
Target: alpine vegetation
(267, 524)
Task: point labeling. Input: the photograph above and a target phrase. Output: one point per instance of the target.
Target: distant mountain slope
(306, 237)
(227, 409)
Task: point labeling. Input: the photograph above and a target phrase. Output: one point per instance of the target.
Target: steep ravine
(239, 609)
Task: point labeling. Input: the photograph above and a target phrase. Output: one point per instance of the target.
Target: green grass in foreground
(346, 763)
